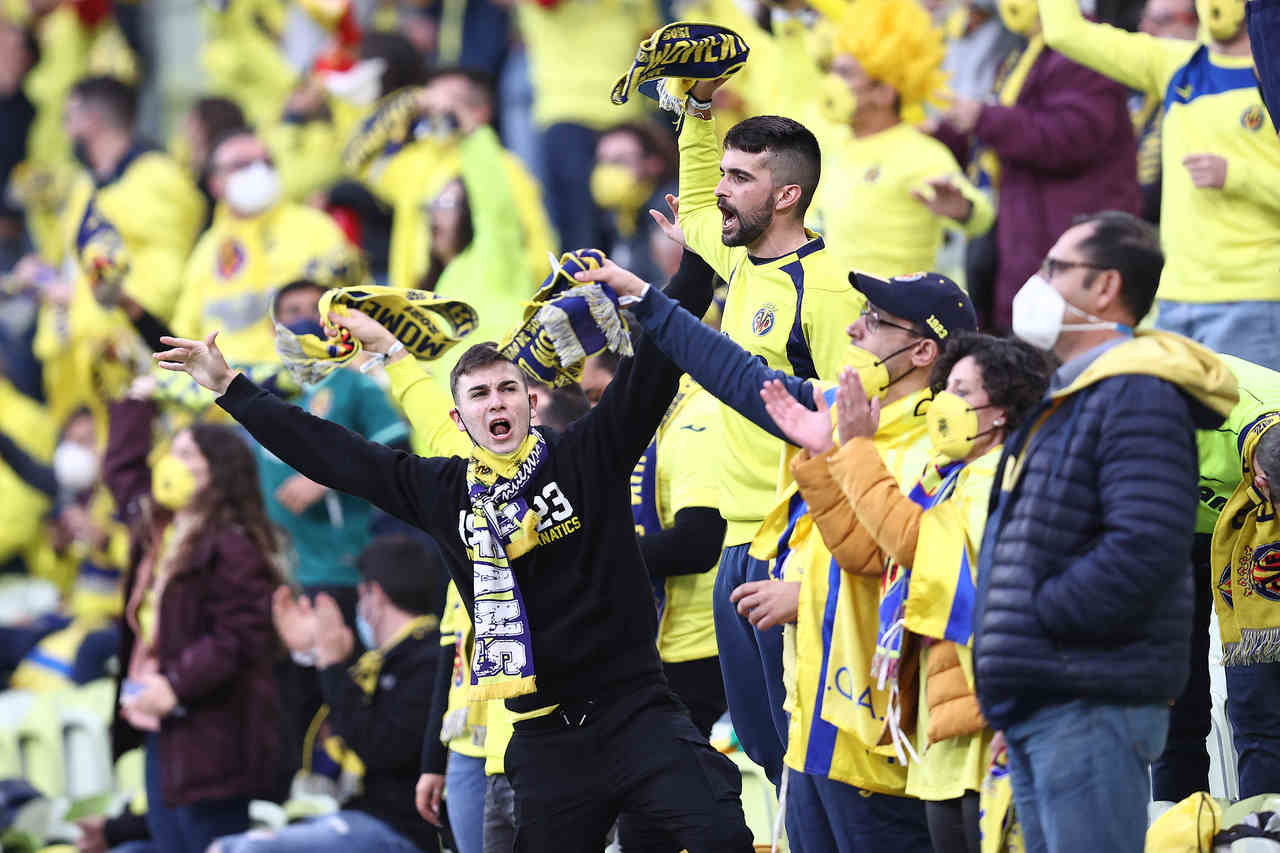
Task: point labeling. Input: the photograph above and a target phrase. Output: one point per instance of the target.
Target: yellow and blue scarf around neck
(506, 528)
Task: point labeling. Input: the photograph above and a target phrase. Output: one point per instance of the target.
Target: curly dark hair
(1015, 373)
(233, 497)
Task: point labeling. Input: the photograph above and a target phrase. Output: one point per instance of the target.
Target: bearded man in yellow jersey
(1220, 185)
(742, 209)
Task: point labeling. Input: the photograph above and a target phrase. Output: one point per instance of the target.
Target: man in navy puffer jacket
(1085, 589)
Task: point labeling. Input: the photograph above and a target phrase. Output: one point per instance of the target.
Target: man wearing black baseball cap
(841, 794)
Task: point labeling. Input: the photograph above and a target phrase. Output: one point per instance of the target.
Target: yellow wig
(896, 43)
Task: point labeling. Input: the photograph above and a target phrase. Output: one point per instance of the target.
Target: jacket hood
(1194, 368)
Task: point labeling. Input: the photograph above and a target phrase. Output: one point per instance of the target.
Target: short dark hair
(229, 133)
(480, 83)
(478, 357)
(654, 141)
(564, 406)
(1131, 246)
(1267, 452)
(409, 569)
(292, 287)
(1015, 373)
(794, 155)
(217, 115)
(114, 98)
(405, 65)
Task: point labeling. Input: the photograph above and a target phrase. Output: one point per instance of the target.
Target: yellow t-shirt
(498, 731)
(792, 311)
(457, 730)
(686, 477)
(1221, 245)
(865, 210)
(577, 49)
(239, 264)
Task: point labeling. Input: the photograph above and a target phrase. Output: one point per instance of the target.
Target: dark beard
(750, 227)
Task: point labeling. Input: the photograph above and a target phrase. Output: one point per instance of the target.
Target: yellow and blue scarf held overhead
(424, 323)
(566, 323)
(673, 59)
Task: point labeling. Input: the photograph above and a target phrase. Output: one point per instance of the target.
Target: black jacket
(587, 593)
(385, 730)
(1084, 581)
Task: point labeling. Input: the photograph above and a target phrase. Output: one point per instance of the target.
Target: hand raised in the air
(201, 359)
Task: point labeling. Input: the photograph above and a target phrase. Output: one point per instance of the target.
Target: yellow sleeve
(427, 406)
(699, 174)
(170, 225)
(828, 343)
(539, 235)
(1256, 181)
(1137, 60)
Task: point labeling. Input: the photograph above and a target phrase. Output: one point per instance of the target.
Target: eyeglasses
(1053, 266)
(873, 321)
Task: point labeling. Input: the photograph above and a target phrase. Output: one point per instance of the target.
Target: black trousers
(574, 771)
(700, 686)
(1183, 767)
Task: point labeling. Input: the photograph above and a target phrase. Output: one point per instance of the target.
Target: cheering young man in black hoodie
(556, 586)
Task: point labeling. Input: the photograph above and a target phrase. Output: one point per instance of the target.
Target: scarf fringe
(558, 325)
(1257, 645)
(504, 689)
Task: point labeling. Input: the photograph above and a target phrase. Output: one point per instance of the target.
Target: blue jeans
(1248, 330)
(1079, 773)
(566, 155)
(336, 833)
(1253, 704)
(190, 828)
(825, 816)
(464, 785)
(751, 663)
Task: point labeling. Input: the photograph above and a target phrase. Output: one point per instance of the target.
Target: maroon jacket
(1066, 148)
(214, 642)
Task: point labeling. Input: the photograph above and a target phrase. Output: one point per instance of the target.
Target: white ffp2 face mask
(253, 189)
(1038, 310)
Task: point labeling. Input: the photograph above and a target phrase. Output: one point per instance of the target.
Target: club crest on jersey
(231, 258)
(762, 322)
(872, 174)
(1252, 118)
(1265, 570)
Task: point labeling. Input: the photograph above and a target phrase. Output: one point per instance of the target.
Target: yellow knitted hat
(896, 42)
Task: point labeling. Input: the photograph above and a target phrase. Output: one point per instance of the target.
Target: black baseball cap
(932, 301)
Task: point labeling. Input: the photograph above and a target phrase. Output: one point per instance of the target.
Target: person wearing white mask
(256, 243)
(1085, 592)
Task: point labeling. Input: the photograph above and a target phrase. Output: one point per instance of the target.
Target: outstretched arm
(619, 428)
(718, 364)
(400, 483)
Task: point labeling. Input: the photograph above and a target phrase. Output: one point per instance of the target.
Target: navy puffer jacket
(1085, 583)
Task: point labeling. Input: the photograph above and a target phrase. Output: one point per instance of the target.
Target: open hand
(856, 416)
(620, 281)
(802, 426)
(334, 641)
(294, 619)
(202, 360)
(298, 493)
(670, 227)
(767, 604)
(943, 198)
